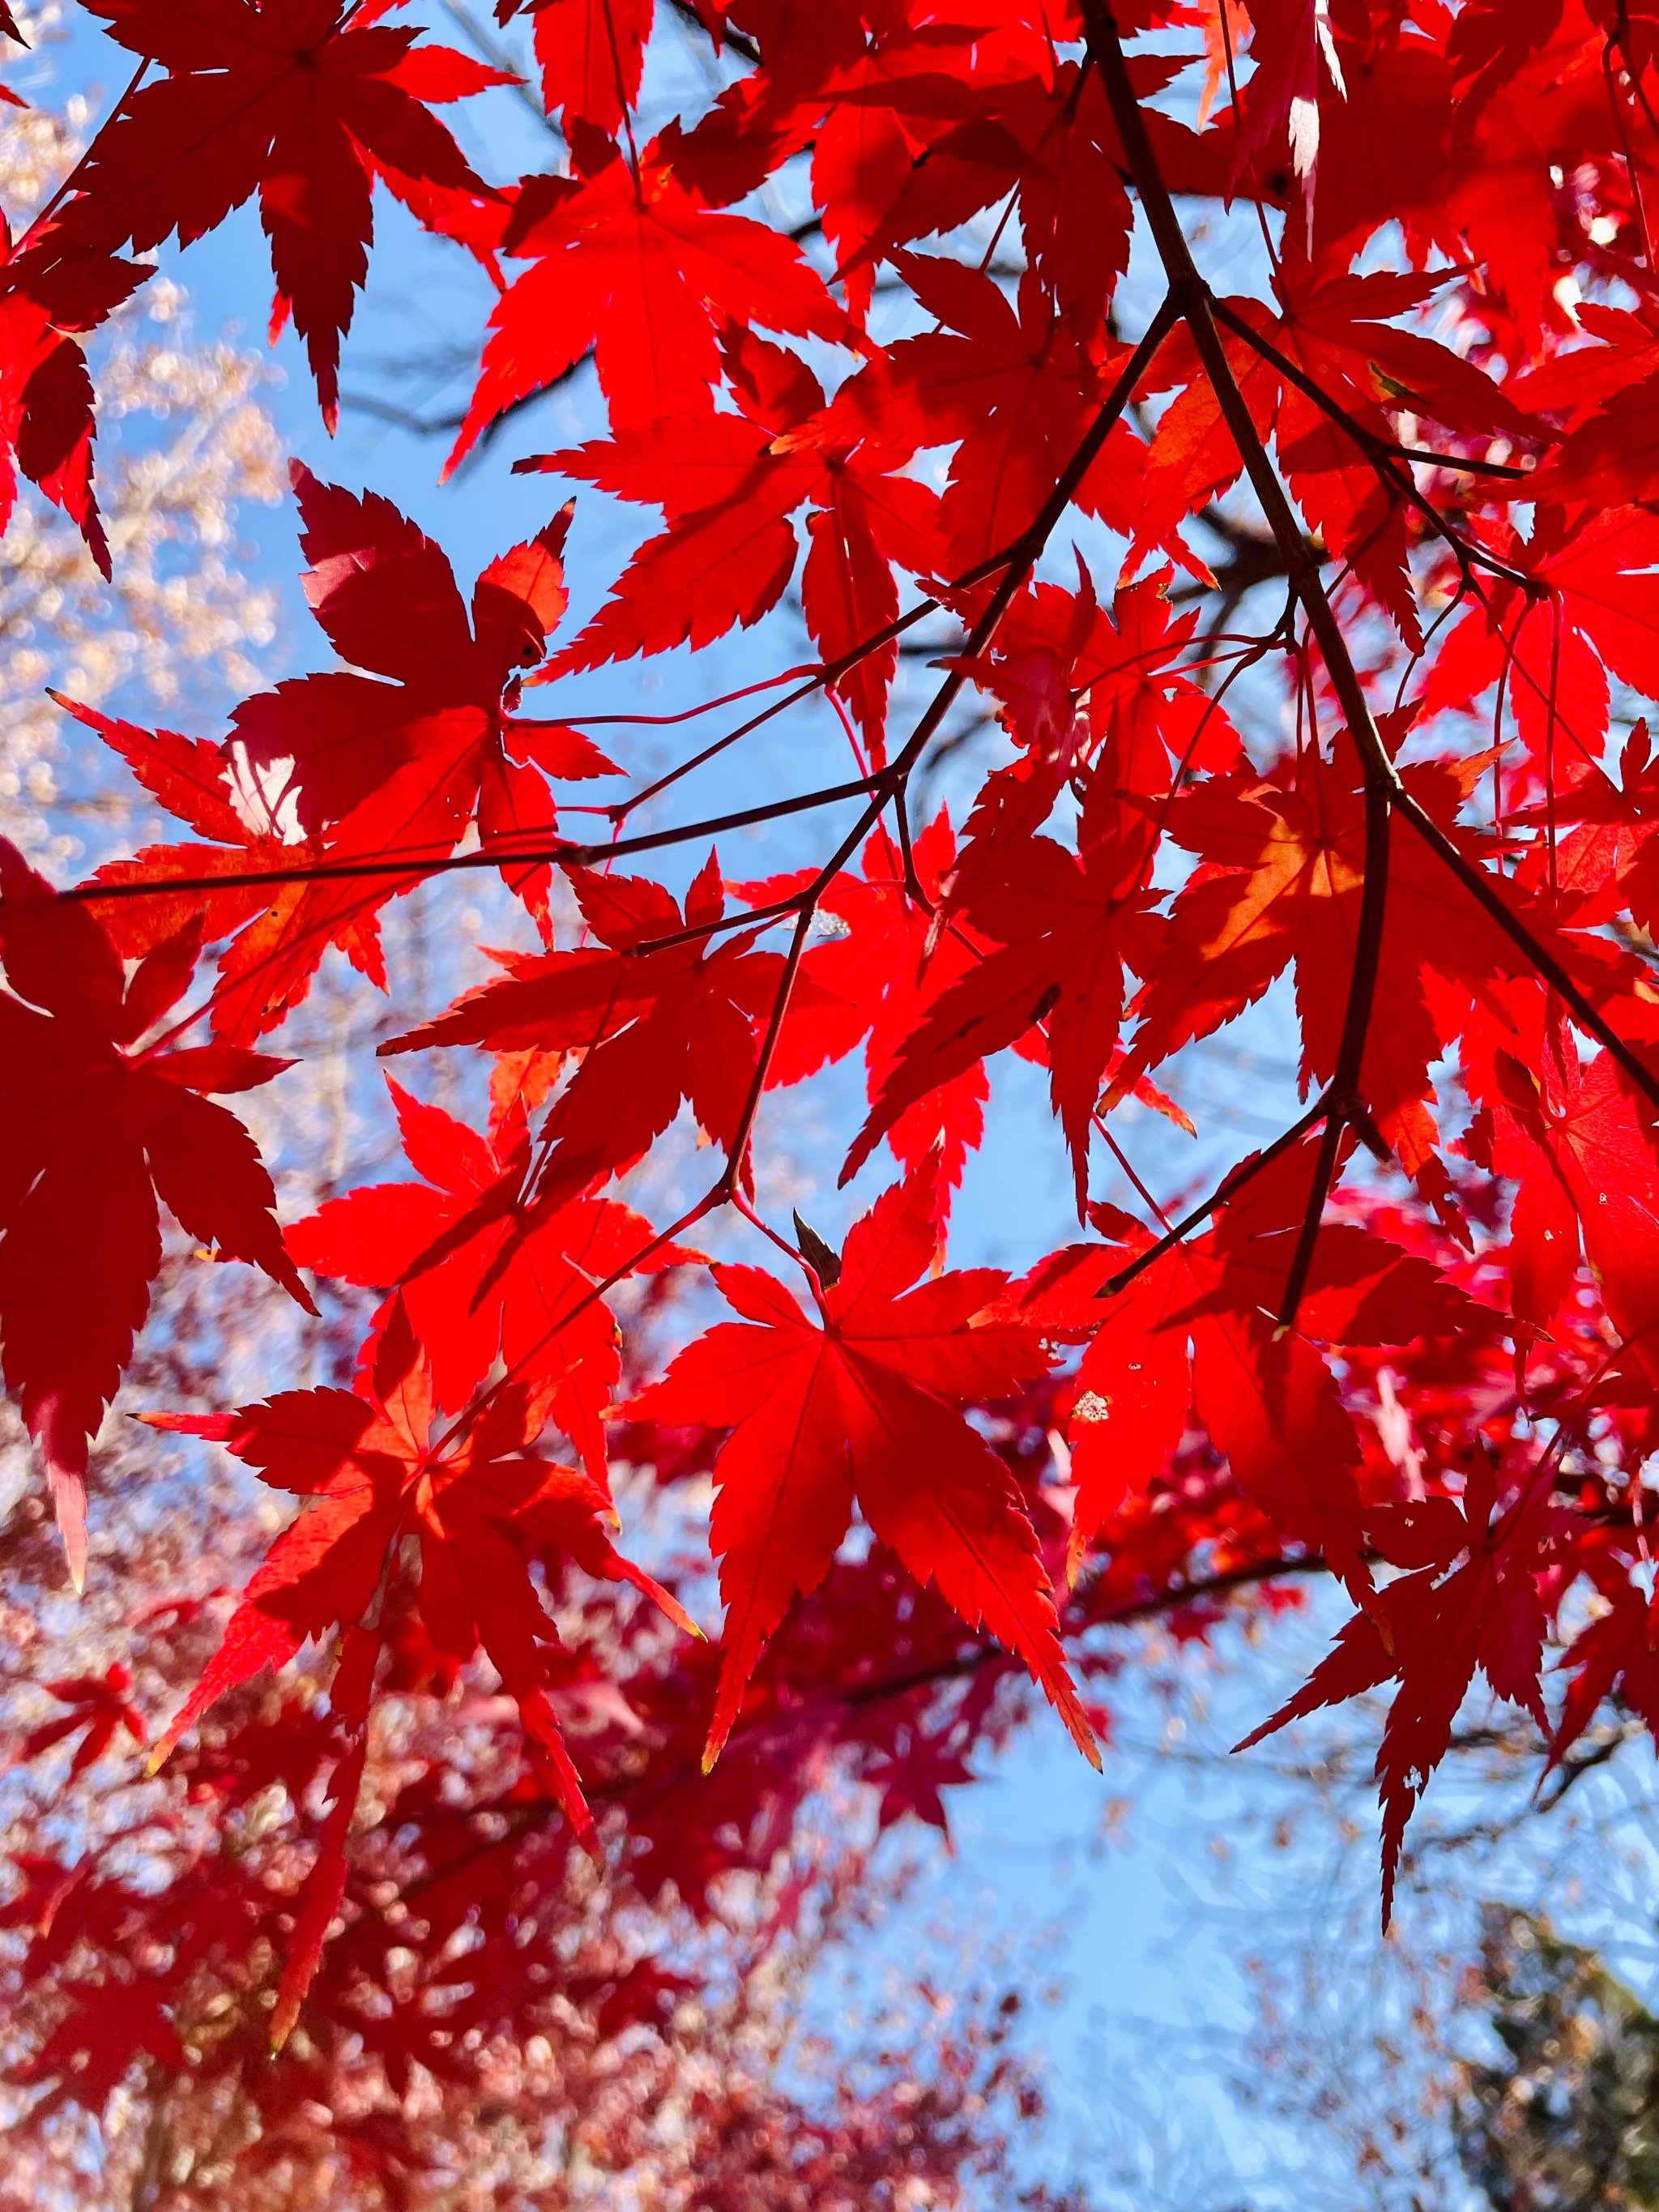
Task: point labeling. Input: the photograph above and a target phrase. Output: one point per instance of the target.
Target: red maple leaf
(591, 54)
(1591, 617)
(1581, 1149)
(48, 300)
(629, 263)
(878, 982)
(1615, 1653)
(476, 1281)
(860, 1405)
(96, 1131)
(728, 484)
(1195, 1333)
(348, 766)
(1063, 929)
(1333, 326)
(103, 2025)
(1281, 865)
(1430, 1630)
(477, 1499)
(659, 1009)
(98, 1705)
(1000, 119)
(1011, 388)
(1293, 52)
(294, 99)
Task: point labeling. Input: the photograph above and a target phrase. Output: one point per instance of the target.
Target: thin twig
(561, 850)
(1228, 1188)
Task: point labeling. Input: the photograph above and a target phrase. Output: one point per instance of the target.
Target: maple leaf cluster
(512, 2000)
(1410, 1340)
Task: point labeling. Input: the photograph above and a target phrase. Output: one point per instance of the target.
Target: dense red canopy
(1394, 772)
